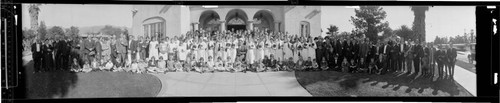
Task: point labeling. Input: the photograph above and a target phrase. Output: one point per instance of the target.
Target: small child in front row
(372, 67)
(279, 65)
(345, 66)
(210, 65)
(170, 64)
(229, 64)
(178, 66)
(315, 65)
(324, 65)
(353, 66)
(75, 67)
(300, 64)
(261, 67)
(134, 66)
(238, 66)
(362, 66)
(199, 66)
(219, 65)
(308, 64)
(152, 65)
(161, 65)
(274, 63)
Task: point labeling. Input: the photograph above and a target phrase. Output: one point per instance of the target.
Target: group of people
(242, 51)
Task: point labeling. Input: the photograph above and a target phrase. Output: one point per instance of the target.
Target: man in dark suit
(58, 53)
(36, 54)
(319, 50)
(389, 54)
(114, 54)
(418, 53)
(134, 47)
(452, 55)
(396, 49)
(440, 61)
(121, 44)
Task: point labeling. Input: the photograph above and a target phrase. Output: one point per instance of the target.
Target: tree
(368, 20)
(42, 30)
(419, 21)
(387, 32)
(72, 31)
(55, 31)
(110, 30)
(332, 29)
(405, 32)
(29, 34)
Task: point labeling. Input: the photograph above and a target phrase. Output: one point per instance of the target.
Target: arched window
(305, 29)
(154, 25)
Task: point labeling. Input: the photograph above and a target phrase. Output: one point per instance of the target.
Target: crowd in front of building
(242, 51)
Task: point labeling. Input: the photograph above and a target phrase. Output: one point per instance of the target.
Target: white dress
(234, 52)
(163, 47)
(288, 52)
(250, 53)
(312, 50)
(182, 52)
(153, 51)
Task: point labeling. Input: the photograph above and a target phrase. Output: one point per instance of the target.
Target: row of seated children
(264, 65)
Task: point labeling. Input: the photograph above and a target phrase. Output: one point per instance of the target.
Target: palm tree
(419, 21)
(332, 29)
(34, 10)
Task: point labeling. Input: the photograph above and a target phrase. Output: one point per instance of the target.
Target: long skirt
(153, 53)
(163, 55)
(304, 53)
(267, 52)
(287, 53)
(250, 58)
(210, 53)
(296, 55)
(233, 55)
(312, 53)
(279, 54)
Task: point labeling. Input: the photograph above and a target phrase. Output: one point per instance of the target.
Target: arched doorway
(209, 21)
(263, 20)
(154, 27)
(236, 20)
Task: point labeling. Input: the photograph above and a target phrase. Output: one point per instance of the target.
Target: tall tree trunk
(419, 22)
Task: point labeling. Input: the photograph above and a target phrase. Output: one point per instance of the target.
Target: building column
(250, 25)
(276, 26)
(222, 26)
(195, 26)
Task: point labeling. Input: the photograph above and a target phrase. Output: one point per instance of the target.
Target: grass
(64, 84)
(332, 83)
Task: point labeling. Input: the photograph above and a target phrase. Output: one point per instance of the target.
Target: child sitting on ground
(266, 62)
(336, 64)
(94, 64)
(279, 65)
(362, 66)
(315, 65)
(372, 67)
(75, 67)
(289, 65)
(261, 67)
(324, 65)
(308, 64)
(219, 65)
(345, 66)
(274, 63)
(170, 64)
(193, 64)
(178, 66)
(210, 65)
(199, 65)
(161, 65)
(300, 64)
(229, 64)
(86, 68)
(152, 65)
(352, 66)
(134, 66)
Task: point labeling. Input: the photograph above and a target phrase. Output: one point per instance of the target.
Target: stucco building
(173, 20)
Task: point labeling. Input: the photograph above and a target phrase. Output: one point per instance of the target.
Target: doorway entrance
(236, 27)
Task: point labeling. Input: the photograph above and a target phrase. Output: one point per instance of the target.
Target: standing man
(417, 54)
(121, 44)
(395, 57)
(440, 61)
(134, 47)
(36, 54)
(319, 50)
(452, 55)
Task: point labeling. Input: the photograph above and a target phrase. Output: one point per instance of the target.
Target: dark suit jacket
(134, 46)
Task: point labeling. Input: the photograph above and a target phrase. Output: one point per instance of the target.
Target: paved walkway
(467, 79)
(230, 84)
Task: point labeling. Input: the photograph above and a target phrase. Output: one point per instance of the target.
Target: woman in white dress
(210, 49)
(280, 50)
(287, 49)
(164, 50)
(153, 48)
(259, 54)
(305, 49)
(203, 49)
(312, 49)
(182, 51)
(250, 53)
(297, 47)
(234, 47)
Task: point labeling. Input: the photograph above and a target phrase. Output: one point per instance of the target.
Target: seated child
(362, 66)
(266, 62)
(308, 64)
(315, 65)
(142, 65)
(94, 64)
(134, 66)
(299, 66)
(372, 67)
(228, 64)
(324, 65)
(279, 65)
(210, 65)
(86, 68)
(193, 64)
(238, 66)
(170, 64)
(337, 64)
(260, 66)
(219, 65)
(199, 65)
(75, 67)
(353, 66)
(289, 64)
(161, 65)
(274, 63)
(178, 66)
(152, 65)
(345, 66)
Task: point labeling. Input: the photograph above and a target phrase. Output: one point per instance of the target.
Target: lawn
(331, 83)
(63, 84)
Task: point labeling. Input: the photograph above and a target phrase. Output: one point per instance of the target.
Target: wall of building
(172, 15)
(294, 15)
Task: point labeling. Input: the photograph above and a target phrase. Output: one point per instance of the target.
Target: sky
(68, 15)
(442, 21)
